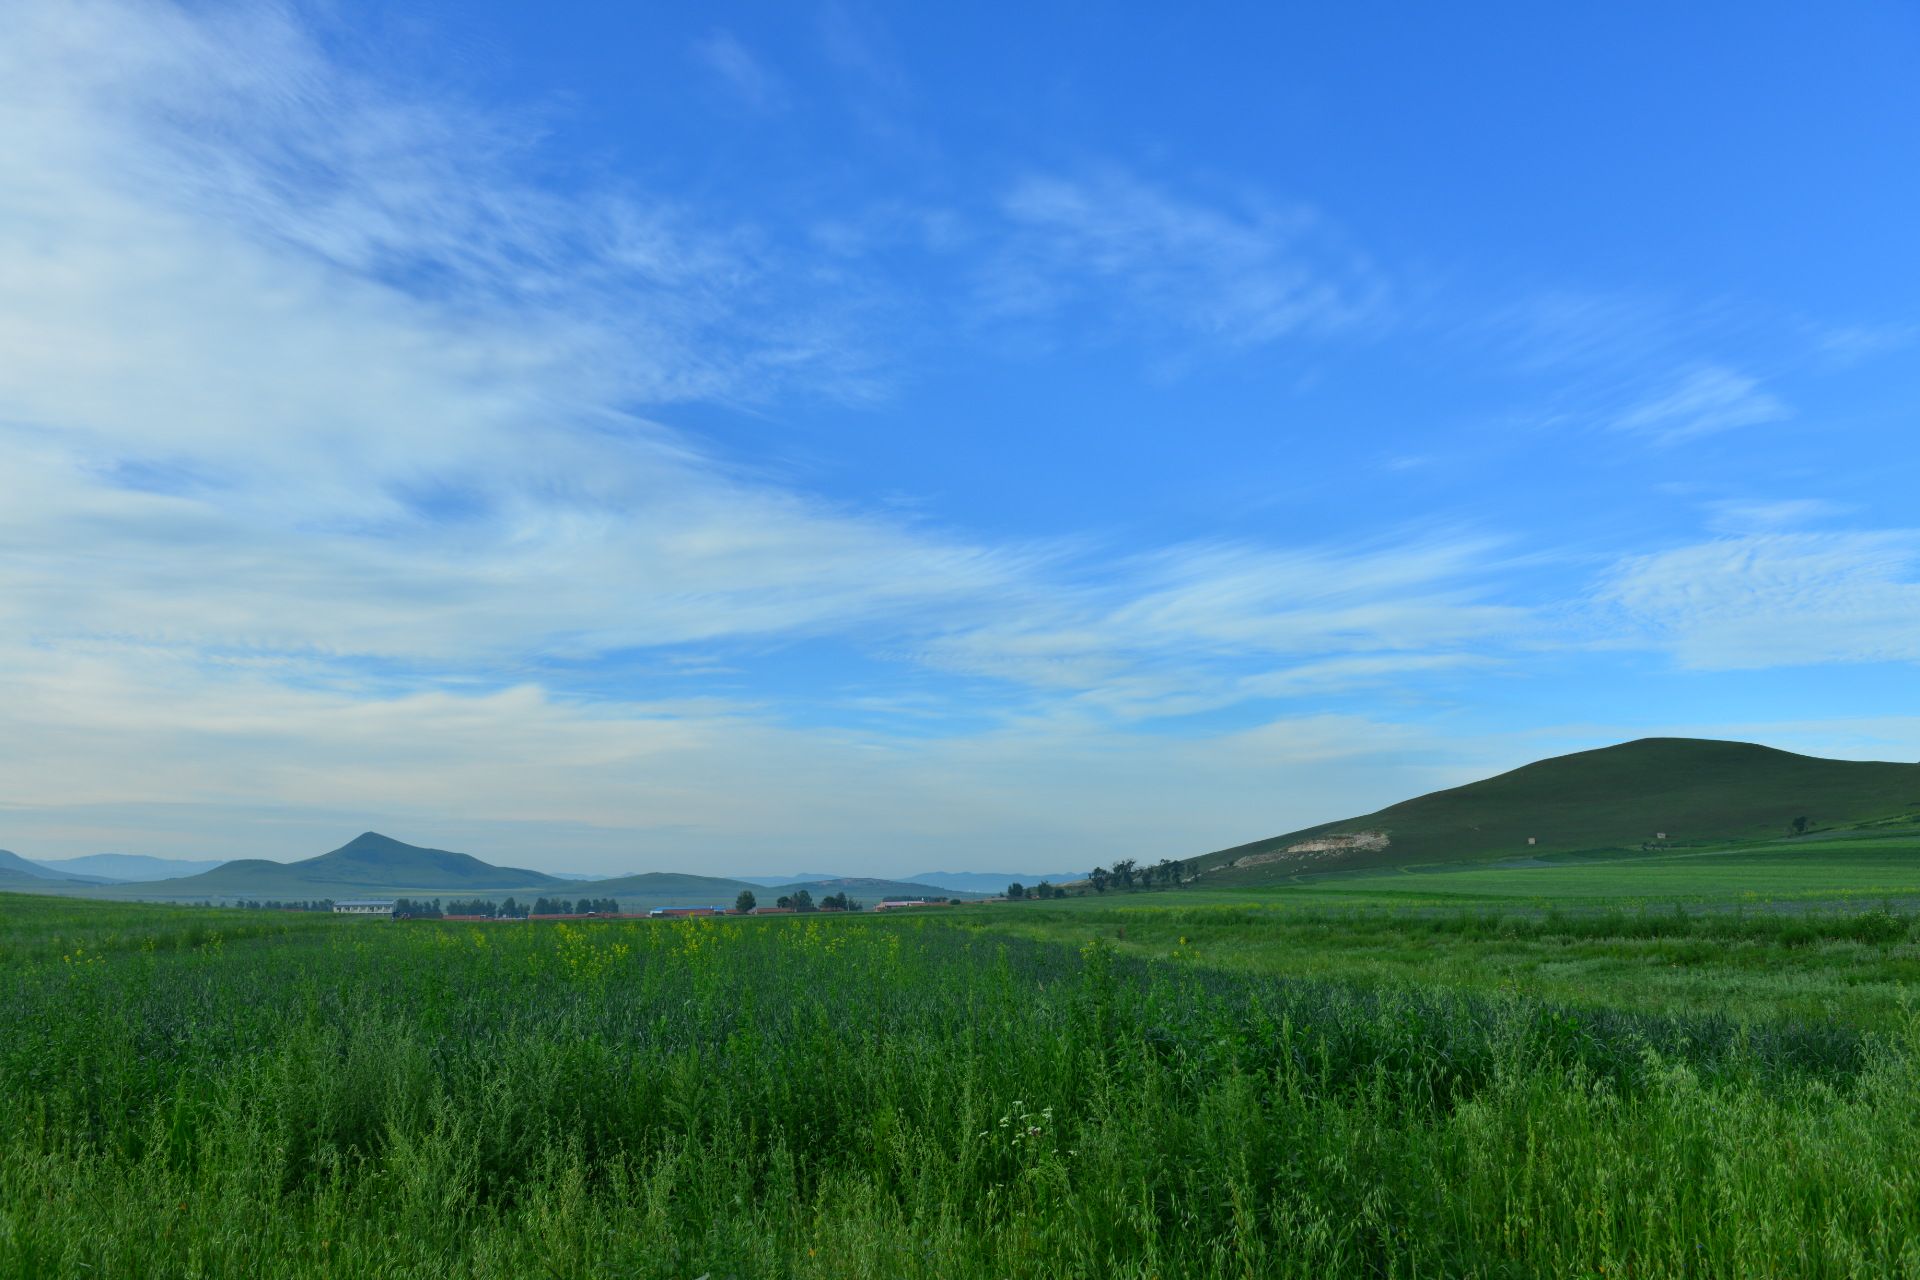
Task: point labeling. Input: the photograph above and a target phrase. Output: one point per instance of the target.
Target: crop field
(1151, 1085)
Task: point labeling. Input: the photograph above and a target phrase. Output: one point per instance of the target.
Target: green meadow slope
(1696, 791)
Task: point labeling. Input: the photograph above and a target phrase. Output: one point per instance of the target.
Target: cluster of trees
(508, 910)
(1017, 891)
(583, 907)
(798, 900)
(1128, 874)
(274, 904)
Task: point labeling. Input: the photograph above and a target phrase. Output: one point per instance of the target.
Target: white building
(363, 907)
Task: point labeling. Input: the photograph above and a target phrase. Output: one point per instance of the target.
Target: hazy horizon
(621, 439)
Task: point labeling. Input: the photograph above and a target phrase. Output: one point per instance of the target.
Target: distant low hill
(367, 865)
(667, 889)
(14, 868)
(798, 877)
(1692, 790)
(131, 866)
(868, 889)
(988, 881)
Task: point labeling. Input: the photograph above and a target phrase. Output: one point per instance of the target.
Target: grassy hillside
(1693, 790)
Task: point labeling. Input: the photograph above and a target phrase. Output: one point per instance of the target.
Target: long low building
(363, 907)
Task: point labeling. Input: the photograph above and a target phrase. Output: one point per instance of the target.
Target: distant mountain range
(374, 865)
(798, 877)
(16, 871)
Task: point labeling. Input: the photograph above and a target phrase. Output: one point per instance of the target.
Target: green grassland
(1476, 1073)
(1800, 872)
(1804, 928)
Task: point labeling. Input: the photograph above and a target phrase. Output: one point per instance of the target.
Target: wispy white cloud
(1706, 400)
(1231, 278)
(314, 370)
(1198, 627)
(861, 49)
(1853, 344)
(306, 379)
(744, 75)
(302, 363)
(1776, 599)
(1738, 516)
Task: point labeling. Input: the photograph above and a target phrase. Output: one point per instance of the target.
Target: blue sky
(744, 437)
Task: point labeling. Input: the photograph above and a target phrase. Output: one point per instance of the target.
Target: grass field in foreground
(221, 1093)
(1803, 929)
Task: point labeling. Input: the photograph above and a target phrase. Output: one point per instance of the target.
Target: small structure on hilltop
(363, 907)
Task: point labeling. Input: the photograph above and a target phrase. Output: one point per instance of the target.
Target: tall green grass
(808, 1097)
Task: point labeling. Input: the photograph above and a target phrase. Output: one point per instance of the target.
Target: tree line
(1129, 874)
(511, 909)
(799, 900)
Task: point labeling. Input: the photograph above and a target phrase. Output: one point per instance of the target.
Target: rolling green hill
(1693, 790)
